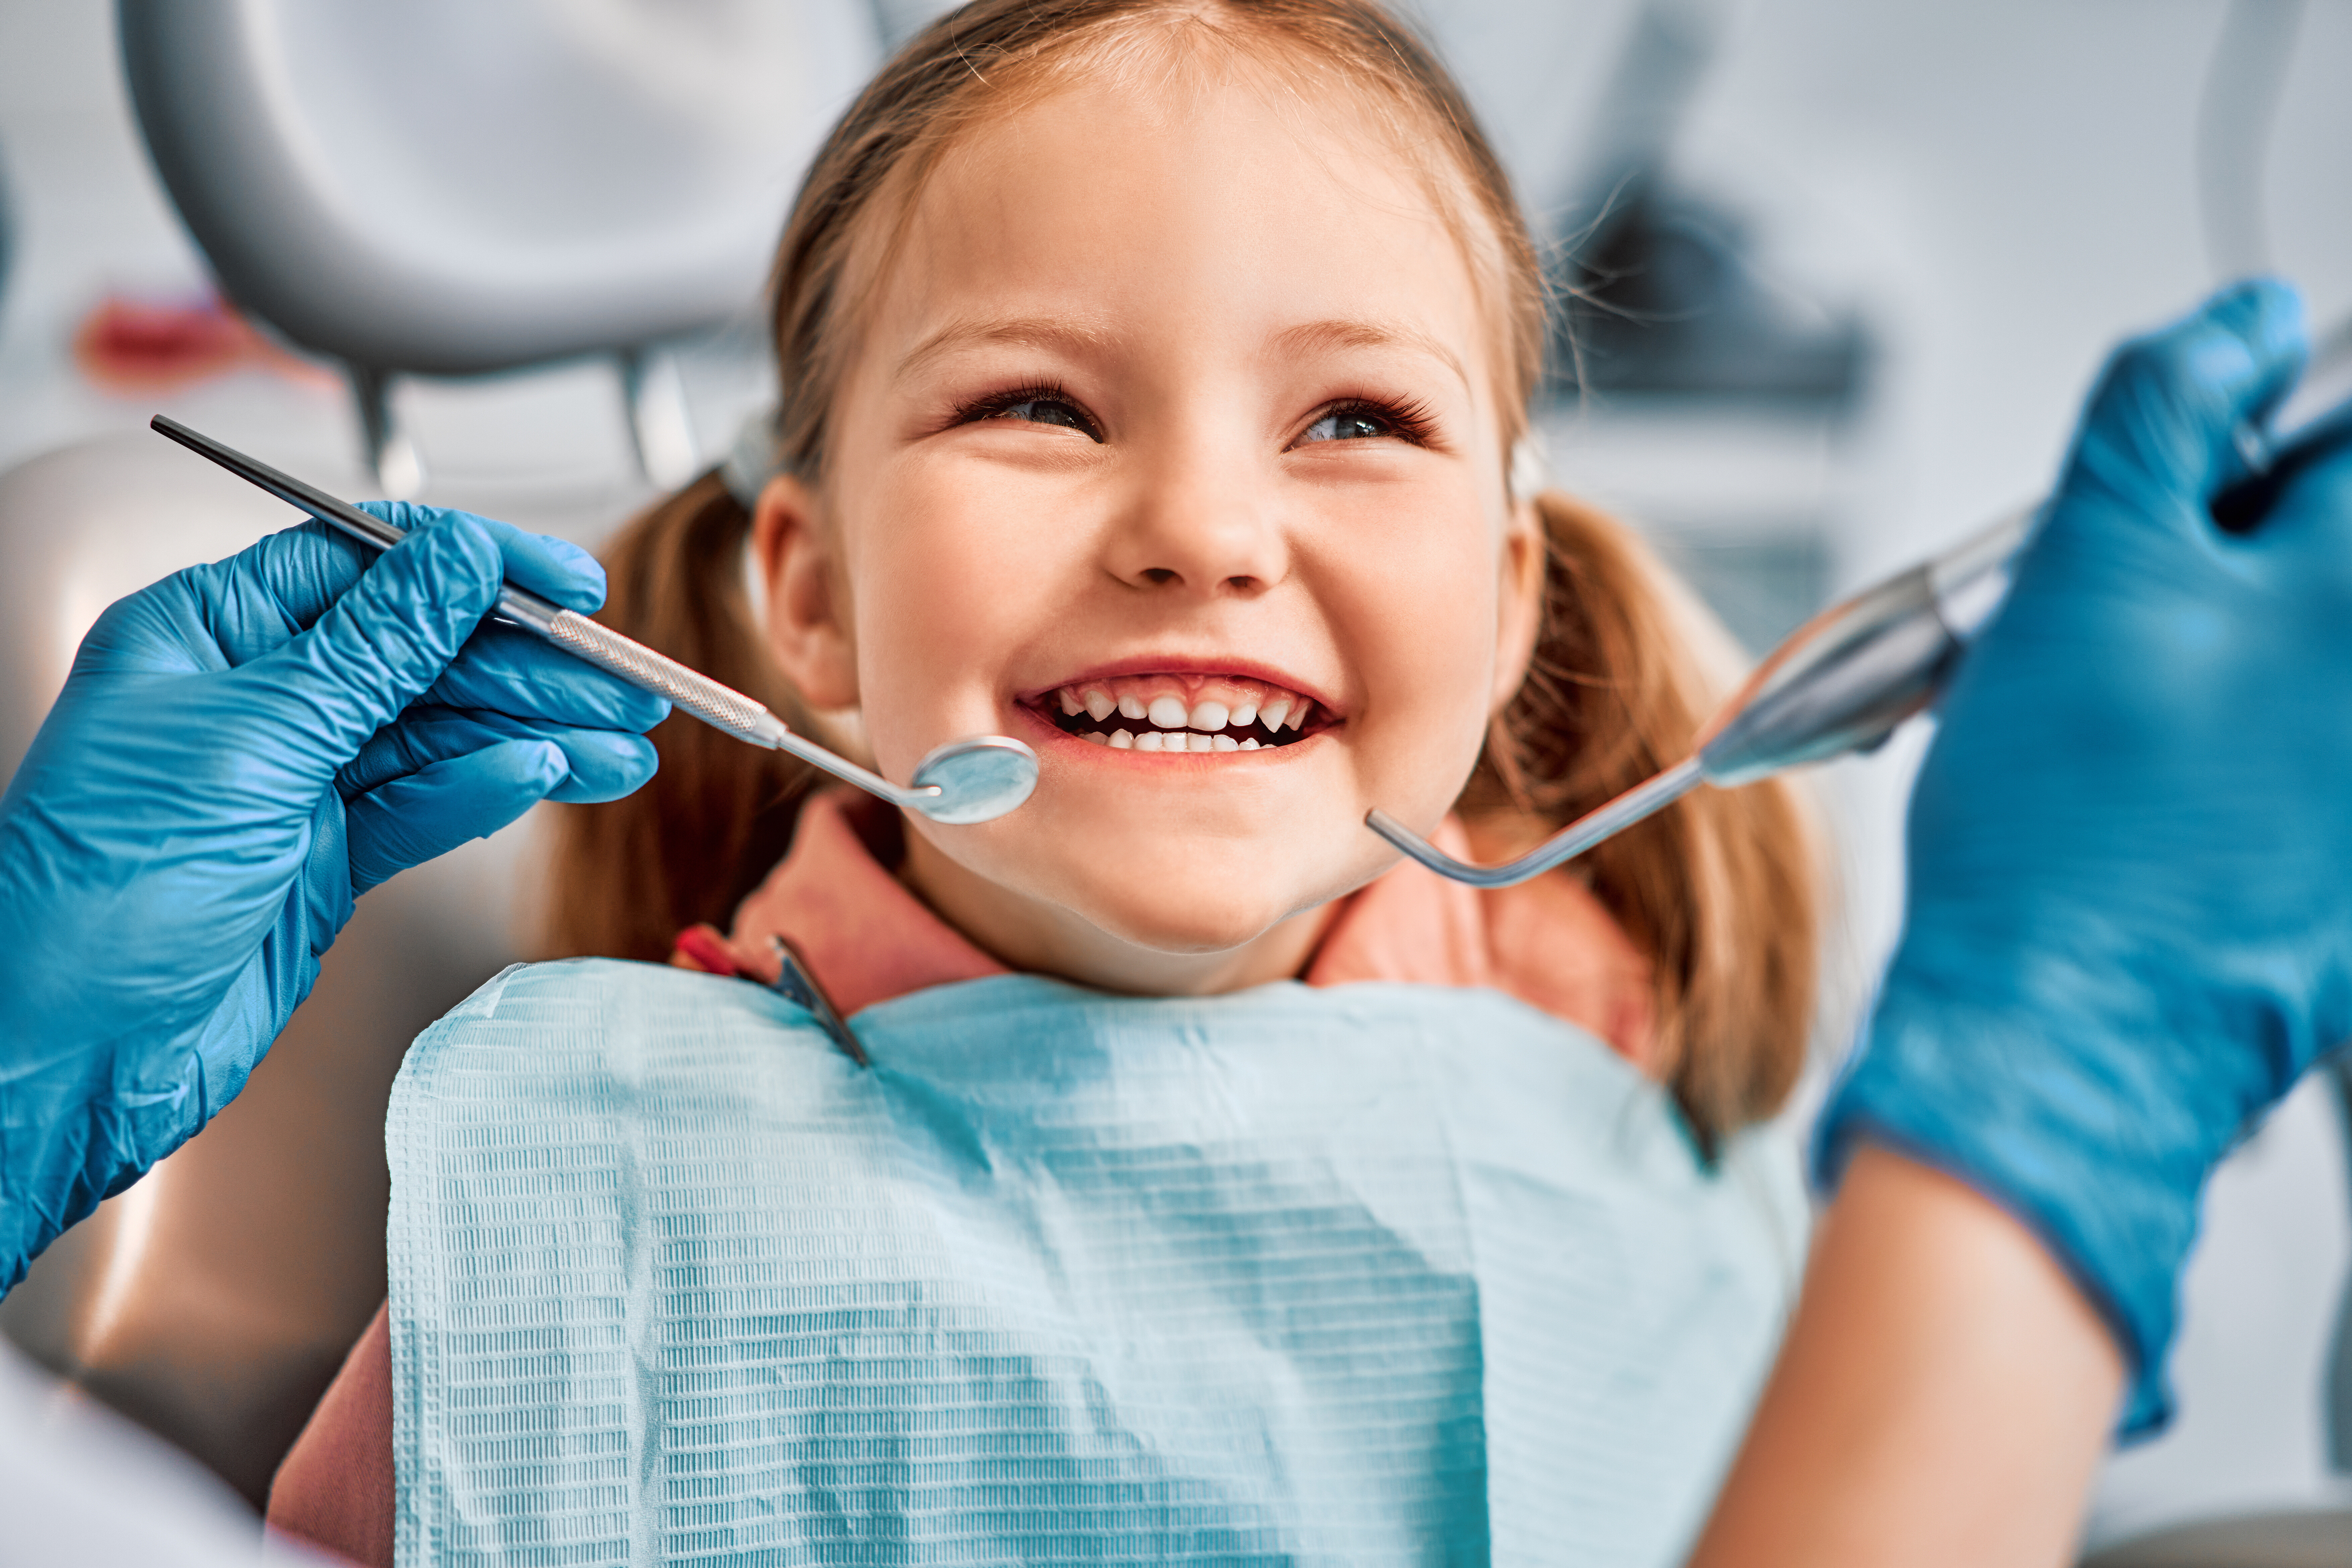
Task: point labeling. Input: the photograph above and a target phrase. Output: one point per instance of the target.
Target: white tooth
(1242, 717)
(1275, 712)
(1298, 714)
(1070, 704)
(1248, 746)
(1098, 738)
(1151, 740)
(1122, 741)
(1098, 704)
(1224, 743)
(1209, 716)
(1131, 707)
(1198, 742)
(1168, 712)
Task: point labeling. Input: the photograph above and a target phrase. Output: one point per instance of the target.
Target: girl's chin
(1178, 932)
(1187, 904)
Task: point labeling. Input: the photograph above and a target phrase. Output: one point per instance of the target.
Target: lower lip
(1050, 738)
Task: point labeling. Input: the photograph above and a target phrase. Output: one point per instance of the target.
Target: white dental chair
(449, 188)
(440, 189)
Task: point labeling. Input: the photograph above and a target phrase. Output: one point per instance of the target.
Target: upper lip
(1151, 664)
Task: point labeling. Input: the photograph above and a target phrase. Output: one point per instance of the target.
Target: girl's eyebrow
(1075, 335)
(1312, 337)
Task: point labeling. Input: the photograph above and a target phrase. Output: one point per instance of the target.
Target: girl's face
(1169, 444)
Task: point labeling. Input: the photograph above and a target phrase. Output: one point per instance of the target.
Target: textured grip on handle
(722, 706)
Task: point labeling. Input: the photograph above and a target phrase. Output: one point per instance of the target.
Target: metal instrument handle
(721, 707)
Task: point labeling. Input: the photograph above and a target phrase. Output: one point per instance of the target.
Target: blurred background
(1844, 268)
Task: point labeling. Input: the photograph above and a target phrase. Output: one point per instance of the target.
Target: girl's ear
(808, 623)
(1520, 603)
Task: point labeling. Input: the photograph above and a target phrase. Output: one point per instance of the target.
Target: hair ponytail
(1721, 889)
(628, 875)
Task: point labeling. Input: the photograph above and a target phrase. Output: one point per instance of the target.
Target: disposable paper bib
(1373, 1274)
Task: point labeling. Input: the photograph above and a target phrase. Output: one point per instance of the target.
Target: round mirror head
(979, 780)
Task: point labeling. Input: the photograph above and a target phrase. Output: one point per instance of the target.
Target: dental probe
(976, 779)
(1846, 680)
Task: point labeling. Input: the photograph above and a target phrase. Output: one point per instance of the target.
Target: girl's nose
(1212, 528)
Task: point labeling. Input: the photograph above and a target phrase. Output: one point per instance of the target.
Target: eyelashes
(1037, 403)
(1410, 420)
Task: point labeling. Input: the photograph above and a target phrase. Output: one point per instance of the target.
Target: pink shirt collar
(1547, 942)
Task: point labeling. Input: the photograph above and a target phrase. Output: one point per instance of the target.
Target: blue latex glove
(2129, 919)
(239, 752)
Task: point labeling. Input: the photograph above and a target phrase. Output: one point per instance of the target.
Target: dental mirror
(978, 779)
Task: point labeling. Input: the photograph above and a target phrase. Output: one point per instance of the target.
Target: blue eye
(1349, 425)
(1044, 408)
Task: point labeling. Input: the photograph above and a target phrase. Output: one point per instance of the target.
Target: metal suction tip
(1642, 800)
(977, 779)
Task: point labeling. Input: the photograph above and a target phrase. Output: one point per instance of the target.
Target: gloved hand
(239, 752)
(2130, 918)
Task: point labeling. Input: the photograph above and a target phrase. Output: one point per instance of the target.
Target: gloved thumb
(411, 820)
(388, 638)
(2165, 425)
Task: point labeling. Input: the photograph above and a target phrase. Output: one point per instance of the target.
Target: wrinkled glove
(239, 752)
(2129, 919)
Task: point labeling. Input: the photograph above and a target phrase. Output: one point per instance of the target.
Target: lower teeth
(1170, 740)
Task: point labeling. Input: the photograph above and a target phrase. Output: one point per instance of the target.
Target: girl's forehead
(1221, 206)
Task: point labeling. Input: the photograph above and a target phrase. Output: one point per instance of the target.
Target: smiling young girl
(1152, 377)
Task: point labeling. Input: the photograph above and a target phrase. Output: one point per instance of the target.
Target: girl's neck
(1038, 938)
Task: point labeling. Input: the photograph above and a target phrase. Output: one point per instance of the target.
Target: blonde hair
(1719, 892)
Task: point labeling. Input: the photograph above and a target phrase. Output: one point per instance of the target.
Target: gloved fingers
(388, 639)
(600, 764)
(429, 813)
(270, 591)
(2164, 427)
(552, 568)
(323, 897)
(2305, 527)
(605, 764)
(505, 669)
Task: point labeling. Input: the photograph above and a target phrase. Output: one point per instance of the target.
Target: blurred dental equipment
(1848, 677)
(1666, 289)
(427, 237)
(976, 779)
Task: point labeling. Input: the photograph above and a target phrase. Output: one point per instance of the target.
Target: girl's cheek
(1427, 589)
(940, 588)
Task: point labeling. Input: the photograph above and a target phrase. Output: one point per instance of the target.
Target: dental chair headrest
(447, 187)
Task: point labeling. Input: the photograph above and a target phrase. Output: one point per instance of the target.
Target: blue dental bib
(1375, 1274)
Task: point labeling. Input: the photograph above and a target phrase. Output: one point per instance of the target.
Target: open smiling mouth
(1182, 713)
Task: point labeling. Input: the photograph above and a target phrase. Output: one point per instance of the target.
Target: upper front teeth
(1181, 712)
(1170, 713)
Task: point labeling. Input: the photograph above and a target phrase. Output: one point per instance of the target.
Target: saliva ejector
(1847, 679)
